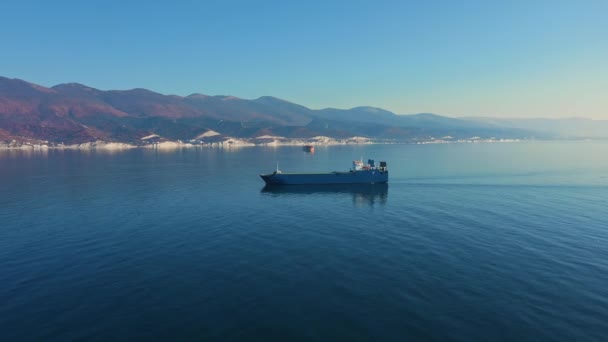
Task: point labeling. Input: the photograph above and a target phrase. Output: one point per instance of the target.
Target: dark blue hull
(379, 189)
(350, 177)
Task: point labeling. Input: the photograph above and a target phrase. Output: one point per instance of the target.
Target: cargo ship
(360, 173)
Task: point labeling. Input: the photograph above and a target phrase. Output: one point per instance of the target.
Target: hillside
(73, 113)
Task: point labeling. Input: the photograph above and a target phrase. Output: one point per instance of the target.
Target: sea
(467, 242)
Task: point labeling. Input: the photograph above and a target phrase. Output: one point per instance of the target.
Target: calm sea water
(467, 242)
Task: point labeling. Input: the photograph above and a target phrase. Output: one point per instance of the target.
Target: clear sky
(456, 58)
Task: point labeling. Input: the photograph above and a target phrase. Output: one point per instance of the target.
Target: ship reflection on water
(362, 194)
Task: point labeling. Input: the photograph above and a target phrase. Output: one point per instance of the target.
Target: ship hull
(351, 177)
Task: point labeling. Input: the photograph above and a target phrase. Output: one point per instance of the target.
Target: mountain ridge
(77, 113)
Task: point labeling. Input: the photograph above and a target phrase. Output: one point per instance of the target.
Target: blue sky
(456, 58)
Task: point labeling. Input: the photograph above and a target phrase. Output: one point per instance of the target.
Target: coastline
(236, 143)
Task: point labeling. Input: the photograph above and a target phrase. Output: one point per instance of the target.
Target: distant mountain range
(73, 113)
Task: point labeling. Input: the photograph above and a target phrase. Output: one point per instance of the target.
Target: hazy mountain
(75, 113)
(562, 128)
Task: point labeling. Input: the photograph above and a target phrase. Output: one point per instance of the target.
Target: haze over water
(467, 241)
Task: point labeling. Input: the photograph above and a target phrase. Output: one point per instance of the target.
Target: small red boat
(308, 148)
